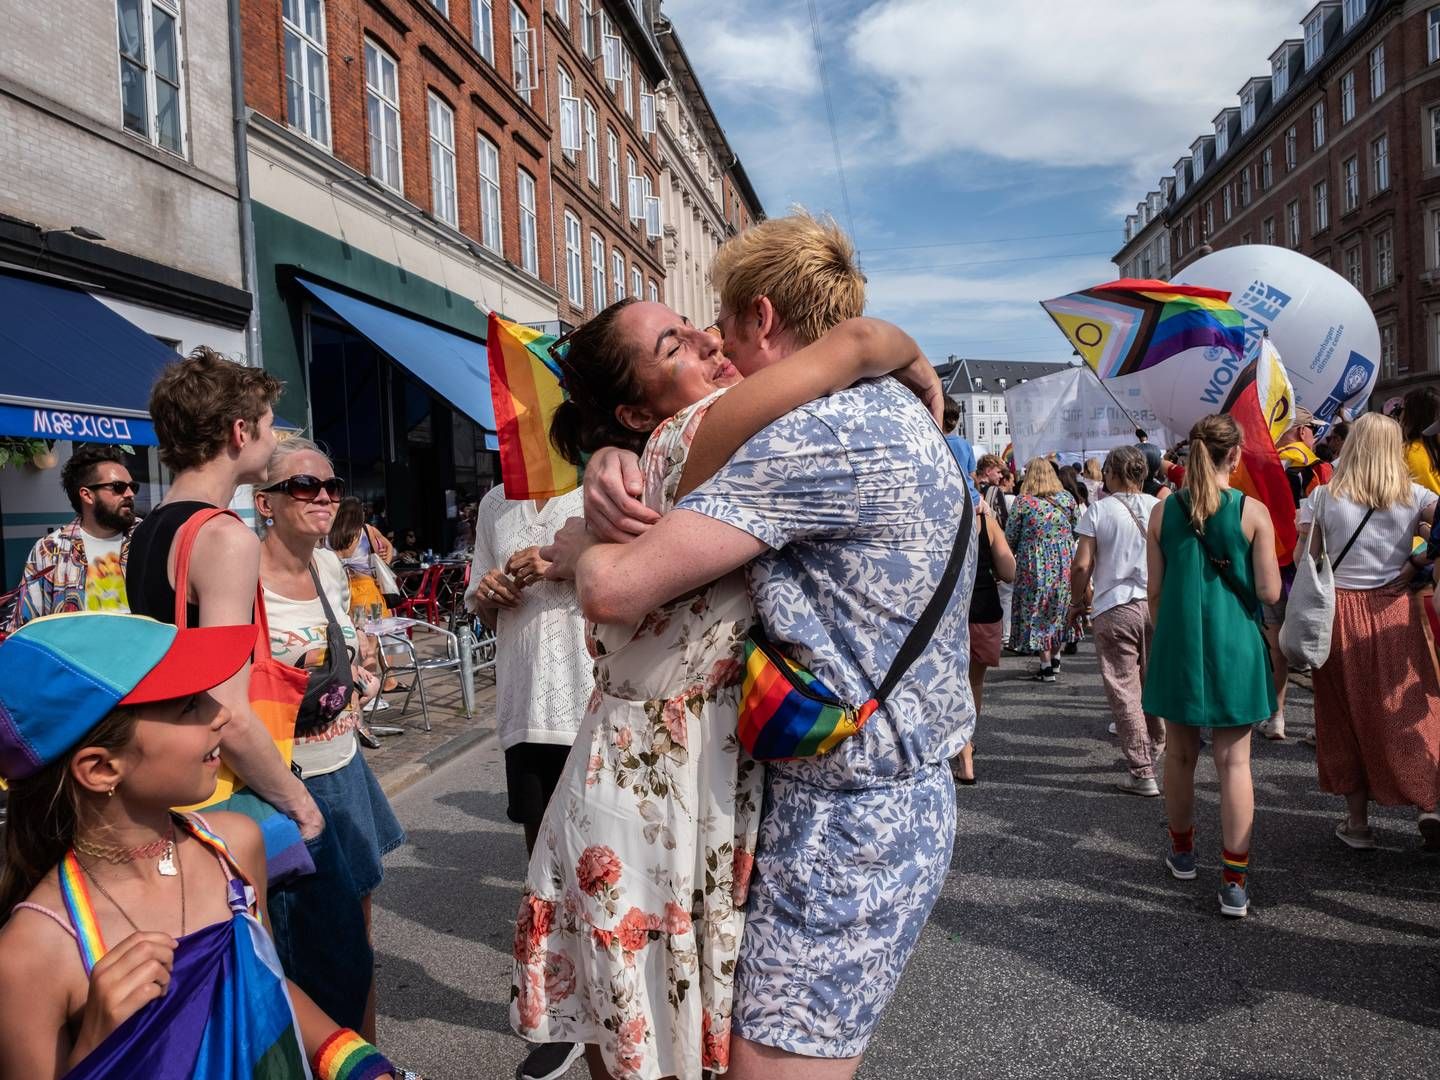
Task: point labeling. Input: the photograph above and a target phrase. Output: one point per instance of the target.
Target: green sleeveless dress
(1209, 665)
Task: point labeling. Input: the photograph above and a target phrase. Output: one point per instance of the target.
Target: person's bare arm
(1002, 559)
(224, 571)
(1082, 567)
(1264, 564)
(855, 350)
(1155, 561)
(34, 1001)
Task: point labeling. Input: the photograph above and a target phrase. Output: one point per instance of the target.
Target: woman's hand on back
(613, 486)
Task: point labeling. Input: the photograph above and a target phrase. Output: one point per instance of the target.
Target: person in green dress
(1212, 564)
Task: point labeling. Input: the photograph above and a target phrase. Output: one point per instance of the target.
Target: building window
(529, 235)
(307, 80)
(1350, 176)
(1354, 11)
(489, 157)
(1384, 259)
(617, 271)
(1279, 76)
(1387, 351)
(1347, 97)
(1247, 108)
(1353, 270)
(627, 87)
(1245, 186)
(632, 180)
(652, 291)
(592, 144)
(382, 112)
(1267, 231)
(1317, 125)
(1197, 161)
(587, 29)
(612, 161)
(1380, 165)
(442, 6)
(574, 262)
(1209, 220)
(1322, 205)
(569, 114)
(1227, 203)
(442, 160)
(1377, 72)
(651, 207)
(151, 96)
(1314, 39)
(637, 282)
(1222, 136)
(1291, 143)
(647, 113)
(1433, 255)
(1433, 35)
(522, 69)
(597, 265)
(562, 11)
(1267, 169)
(482, 28)
(1292, 223)
(1435, 136)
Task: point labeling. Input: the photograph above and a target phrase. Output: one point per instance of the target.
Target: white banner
(1071, 414)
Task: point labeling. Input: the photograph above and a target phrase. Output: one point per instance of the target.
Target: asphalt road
(1060, 947)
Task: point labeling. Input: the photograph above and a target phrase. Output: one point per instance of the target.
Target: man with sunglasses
(81, 566)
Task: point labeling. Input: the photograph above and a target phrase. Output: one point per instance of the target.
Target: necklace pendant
(166, 865)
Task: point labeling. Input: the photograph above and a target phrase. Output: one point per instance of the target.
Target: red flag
(1261, 474)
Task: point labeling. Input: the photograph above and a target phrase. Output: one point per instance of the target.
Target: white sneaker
(1112, 729)
(1274, 728)
(1135, 785)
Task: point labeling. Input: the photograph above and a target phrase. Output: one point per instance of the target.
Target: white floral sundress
(633, 910)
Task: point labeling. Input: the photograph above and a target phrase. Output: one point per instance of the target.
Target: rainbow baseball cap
(60, 675)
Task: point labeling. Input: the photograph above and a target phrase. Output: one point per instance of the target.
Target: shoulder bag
(787, 713)
(1310, 613)
(380, 569)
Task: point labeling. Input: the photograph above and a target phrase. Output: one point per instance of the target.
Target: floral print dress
(1041, 531)
(633, 909)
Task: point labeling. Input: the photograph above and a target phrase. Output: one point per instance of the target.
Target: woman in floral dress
(633, 910)
(1041, 531)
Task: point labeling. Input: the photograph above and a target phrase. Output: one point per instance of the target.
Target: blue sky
(973, 134)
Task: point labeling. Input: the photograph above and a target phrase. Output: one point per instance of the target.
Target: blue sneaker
(1181, 865)
(1234, 900)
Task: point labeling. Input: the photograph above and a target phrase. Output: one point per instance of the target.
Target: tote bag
(276, 691)
(1310, 612)
(380, 570)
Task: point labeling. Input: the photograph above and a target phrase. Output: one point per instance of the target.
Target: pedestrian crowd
(738, 674)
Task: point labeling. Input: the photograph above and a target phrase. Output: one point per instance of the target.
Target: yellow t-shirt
(104, 576)
(1421, 467)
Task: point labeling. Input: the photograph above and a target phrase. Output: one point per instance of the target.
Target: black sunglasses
(306, 488)
(116, 487)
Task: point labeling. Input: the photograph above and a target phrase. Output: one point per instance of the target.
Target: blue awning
(70, 368)
(455, 367)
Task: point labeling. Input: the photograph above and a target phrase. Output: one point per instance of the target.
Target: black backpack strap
(924, 628)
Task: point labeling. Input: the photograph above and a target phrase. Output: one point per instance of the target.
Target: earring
(269, 521)
(111, 793)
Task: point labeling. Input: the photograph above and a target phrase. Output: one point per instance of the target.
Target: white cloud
(1080, 83)
(748, 57)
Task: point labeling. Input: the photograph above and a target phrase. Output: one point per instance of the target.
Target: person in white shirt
(1110, 560)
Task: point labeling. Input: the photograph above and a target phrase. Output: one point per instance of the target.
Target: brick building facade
(1337, 155)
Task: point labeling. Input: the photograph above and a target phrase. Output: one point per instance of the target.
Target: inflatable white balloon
(1322, 327)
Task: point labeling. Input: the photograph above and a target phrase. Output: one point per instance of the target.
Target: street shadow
(405, 991)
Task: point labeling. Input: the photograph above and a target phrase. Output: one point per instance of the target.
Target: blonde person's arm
(855, 350)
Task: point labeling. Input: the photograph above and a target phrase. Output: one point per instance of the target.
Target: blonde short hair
(1040, 479)
(805, 265)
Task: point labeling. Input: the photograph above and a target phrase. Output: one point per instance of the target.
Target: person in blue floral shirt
(845, 511)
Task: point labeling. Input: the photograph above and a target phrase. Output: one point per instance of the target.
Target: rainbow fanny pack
(786, 712)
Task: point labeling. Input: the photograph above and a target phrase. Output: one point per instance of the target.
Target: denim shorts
(361, 818)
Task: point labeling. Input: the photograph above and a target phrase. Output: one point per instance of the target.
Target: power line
(997, 240)
(830, 116)
(983, 262)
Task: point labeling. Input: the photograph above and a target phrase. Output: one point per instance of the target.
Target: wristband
(346, 1056)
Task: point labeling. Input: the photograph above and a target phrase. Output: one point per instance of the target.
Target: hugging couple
(688, 908)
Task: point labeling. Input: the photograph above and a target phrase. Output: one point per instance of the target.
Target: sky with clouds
(991, 151)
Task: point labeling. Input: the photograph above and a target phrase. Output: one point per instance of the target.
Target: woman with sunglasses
(307, 599)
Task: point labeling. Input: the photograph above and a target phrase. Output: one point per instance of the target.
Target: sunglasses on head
(116, 487)
(307, 488)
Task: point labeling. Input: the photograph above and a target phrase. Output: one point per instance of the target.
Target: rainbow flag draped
(525, 390)
(1261, 473)
(1132, 324)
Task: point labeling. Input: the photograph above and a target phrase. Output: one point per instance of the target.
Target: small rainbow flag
(525, 390)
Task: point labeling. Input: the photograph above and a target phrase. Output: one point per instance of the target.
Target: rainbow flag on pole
(525, 390)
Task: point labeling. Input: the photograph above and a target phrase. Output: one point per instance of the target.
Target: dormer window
(1280, 75)
(1354, 11)
(1222, 135)
(1314, 38)
(1247, 108)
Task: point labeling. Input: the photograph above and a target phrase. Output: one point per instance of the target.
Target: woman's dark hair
(599, 377)
(951, 416)
(1070, 481)
(1420, 409)
(43, 815)
(349, 520)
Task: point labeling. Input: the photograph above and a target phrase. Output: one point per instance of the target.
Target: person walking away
(81, 566)
(1093, 477)
(990, 478)
(1111, 561)
(1377, 696)
(307, 601)
(543, 673)
(1212, 563)
(959, 445)
(1041, 534)
(994, 564)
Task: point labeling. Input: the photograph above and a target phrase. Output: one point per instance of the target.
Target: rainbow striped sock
(346, 1056)
(1234, 867)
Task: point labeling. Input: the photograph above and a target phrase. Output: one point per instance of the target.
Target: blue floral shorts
(844, 881)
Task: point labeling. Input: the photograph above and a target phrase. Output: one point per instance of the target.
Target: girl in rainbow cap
(131, 944)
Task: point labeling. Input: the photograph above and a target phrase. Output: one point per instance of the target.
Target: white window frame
(382, 107)
(523, 73)
(1227, 202)
(1317, 125)
(574, 262)
(1384, 259)
(442, 6)
(145, 62)
(1351, 12)
(1320, 193)
(1197, 162)
(627, 80)
(612, 165)
(592, 143)
(598, 285)
(1434, 140)
(617, 273)
(1347, 97)
(1209, 219)
(1433, 253)
(482, 28)
(647, 113)
(1314, 39)
(440, 129)
(529, 226)
(1247, 109)
(654, 227)
(610, 47)
(562, 11)
(569, 114)
(637, 282)
(1245, 186)
(1387, 351)
(1267, 231)
(587, 29)
(652, 291)
(1292, 223)
(1349, 184)
(1377, 72)
(633, 208)
(1279, 76)
(487, 160)
(1432, 35)
(1222, 136)
(1267, 168)
(1292, 148)
(308, 43)
(1380, 163)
